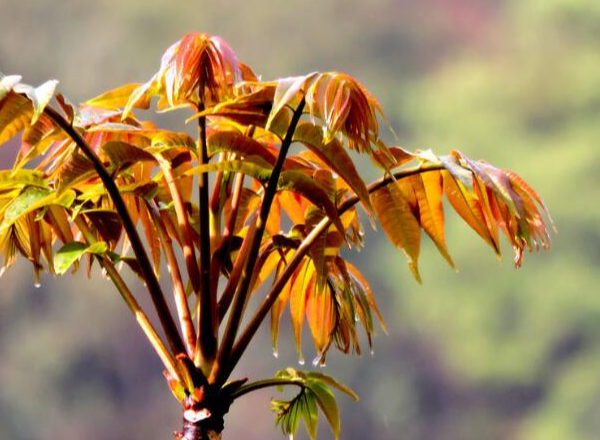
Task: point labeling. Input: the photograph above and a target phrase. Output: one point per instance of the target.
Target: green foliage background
(489, 353)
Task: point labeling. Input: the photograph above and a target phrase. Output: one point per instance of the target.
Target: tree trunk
(203, 415)
(209, 428)
(196, 431)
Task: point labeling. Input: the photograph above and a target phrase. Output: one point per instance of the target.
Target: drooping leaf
(327, 403)
(428, 189)
(303, 287)
(399, 223)
(15, 114)
(278, 308)
(361, 280)
(240, 144)
(320, 315)
(468, 207)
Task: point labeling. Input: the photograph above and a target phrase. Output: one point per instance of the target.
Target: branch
(236, 273)
(303, 249)
(184, 225)
(224, 247)
(206, 343)
(142, 319)
(242, 292)
(181, 302)
(162, 309)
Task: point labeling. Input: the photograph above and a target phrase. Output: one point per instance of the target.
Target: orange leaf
(399, 223)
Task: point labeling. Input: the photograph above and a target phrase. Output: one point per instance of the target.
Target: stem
(181, 302)
(224, 246)
(142, 319)
(267, 383)
(236, 273)
(206, 343)
(158, 299)
(242, 292)
(238, 185)
(184, 225)
(225, 242)
(300, 253)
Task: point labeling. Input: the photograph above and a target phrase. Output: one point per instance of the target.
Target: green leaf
(315, 393)
(327, 403)
(310, 414)
(33, 198)
(321, 377)
(72, 252)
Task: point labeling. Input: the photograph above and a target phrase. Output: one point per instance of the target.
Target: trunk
(203, 414)
(200, 422)
(197, 431)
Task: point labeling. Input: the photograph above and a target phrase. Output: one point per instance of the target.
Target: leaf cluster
(281, 204)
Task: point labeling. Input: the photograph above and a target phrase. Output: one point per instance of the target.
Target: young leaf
(117, 98)
(286, 91)
(327, 403)
(39, 96)
(334, 156)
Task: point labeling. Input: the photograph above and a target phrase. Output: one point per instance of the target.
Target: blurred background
(489, 353)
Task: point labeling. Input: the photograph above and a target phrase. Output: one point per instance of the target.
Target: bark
(199, 431)
(203, 420)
